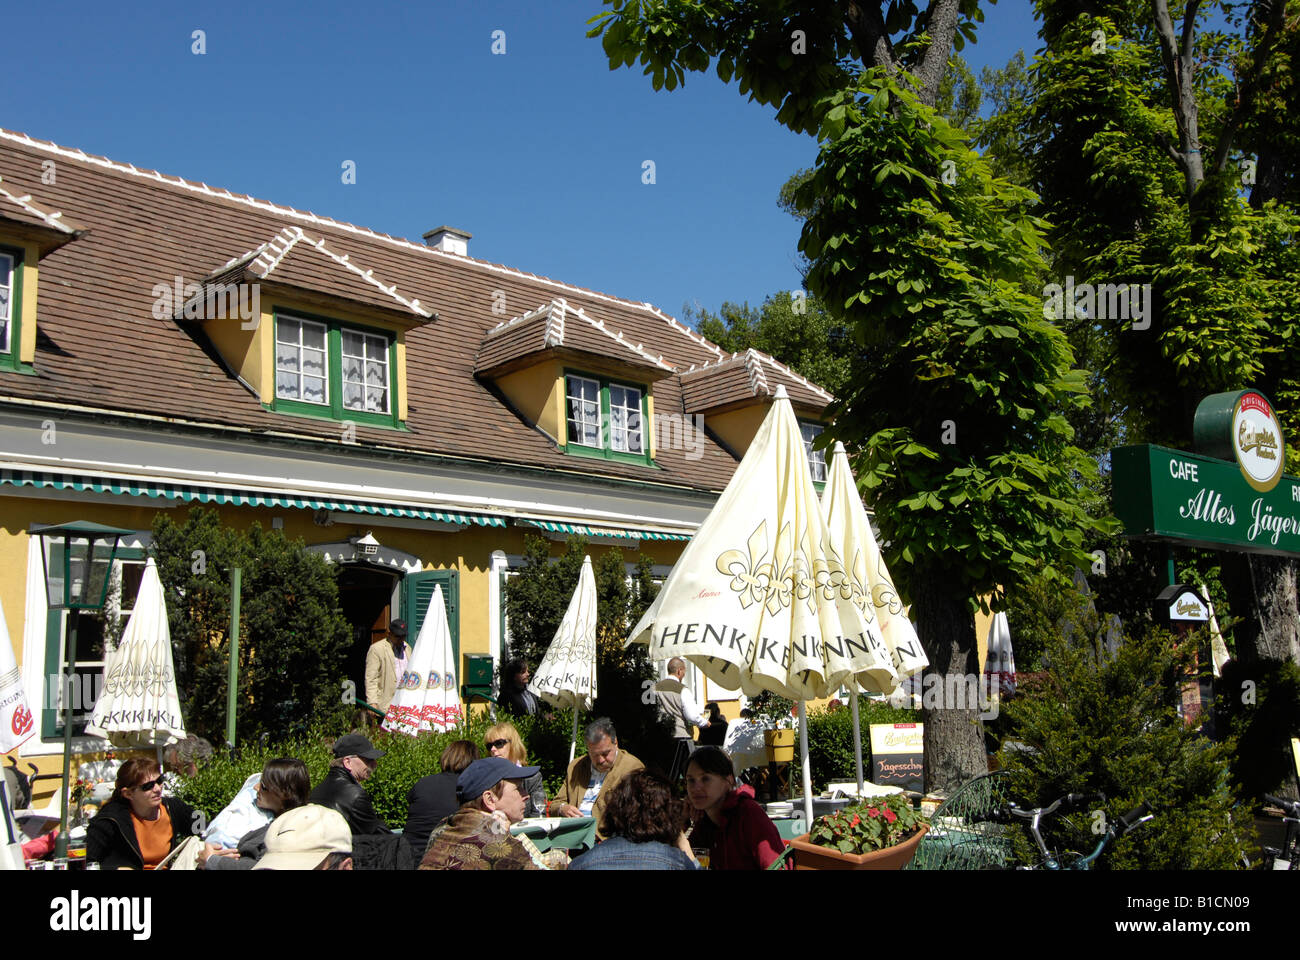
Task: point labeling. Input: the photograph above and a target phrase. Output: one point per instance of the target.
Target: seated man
(589, 779)
(477, 836)
(355, 758)
(310, 837)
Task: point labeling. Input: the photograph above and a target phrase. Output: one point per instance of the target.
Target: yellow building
(165, 343)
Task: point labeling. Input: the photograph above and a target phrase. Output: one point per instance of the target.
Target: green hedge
(407, 759)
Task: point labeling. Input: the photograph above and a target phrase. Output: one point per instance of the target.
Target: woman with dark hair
(644, 825)
(284, 786)
(433, 798)
(515, 696)
(138, 827)
(715, 734)
(737, 832)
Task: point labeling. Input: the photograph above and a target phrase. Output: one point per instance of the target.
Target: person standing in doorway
(385, 665)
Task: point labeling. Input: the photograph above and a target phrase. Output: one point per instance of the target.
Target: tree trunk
(1262, 591)
(954, 734)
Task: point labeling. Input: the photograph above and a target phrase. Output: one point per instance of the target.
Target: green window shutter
(419, 589)
(51, 722)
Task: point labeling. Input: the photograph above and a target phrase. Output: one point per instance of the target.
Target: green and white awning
(231, 496)
(582, 530)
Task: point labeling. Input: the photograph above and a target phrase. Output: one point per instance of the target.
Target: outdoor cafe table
(574, 834)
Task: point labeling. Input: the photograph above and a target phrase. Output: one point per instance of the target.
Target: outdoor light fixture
(78, 561)
(368, 544)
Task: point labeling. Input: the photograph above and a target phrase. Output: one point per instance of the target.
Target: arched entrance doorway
(370, 595)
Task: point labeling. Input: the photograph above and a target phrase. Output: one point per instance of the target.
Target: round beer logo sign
(1257, 441)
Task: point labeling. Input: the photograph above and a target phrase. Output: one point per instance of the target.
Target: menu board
(897, 755)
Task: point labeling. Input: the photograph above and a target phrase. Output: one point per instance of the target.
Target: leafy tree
(798, 332)
(927, 259)
(1137, 126)
(293, 636)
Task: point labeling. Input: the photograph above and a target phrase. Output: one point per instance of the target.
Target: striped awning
(232, 496)
(585, 531)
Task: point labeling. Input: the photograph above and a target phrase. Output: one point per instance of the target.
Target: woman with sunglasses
(284, 786)
(139, 827)
(503, 740)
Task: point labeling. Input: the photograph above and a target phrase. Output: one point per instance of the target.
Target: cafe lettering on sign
(1231, 496)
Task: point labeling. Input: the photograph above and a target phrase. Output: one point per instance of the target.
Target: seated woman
(715, 734)
(139, 827)
(644, 823)
(284, 786)
(503, 740)
(433, 798)
(737, 832)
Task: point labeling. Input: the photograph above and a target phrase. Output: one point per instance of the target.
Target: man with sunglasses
(355, 759)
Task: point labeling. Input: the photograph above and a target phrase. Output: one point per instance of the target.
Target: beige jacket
(381, 675)
(579, 775)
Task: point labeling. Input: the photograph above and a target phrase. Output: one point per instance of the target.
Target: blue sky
(538, 152)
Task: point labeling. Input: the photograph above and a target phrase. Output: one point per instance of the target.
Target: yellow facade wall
(537, 392)
(31, 274)
(736, 428)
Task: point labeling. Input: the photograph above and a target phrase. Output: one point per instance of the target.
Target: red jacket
(747, 838)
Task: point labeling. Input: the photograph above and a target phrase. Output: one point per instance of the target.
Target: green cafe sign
(1238, 499)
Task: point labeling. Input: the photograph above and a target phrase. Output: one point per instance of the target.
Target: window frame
(606, 451)
(808, 449)
(333, 408)
(11, 354)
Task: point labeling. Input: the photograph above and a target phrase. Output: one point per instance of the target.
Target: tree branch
(941, 21)
(867, 28)
(1163, 142)
(1276, 10)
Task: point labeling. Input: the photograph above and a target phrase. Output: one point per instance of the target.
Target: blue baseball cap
(485, 774)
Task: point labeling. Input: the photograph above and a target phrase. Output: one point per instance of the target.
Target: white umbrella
(427, 696)
(566, 677)
(139, 704)
(873, 588)
(760, 598)
(999, 662)
(16, 721)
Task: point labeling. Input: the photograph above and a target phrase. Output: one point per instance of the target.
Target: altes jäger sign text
(1167, 494)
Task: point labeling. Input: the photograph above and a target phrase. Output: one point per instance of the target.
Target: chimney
(449, 240)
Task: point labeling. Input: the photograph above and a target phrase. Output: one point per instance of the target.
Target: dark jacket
(340, 791)
(252, 846)
(431, 801)
(111, 840)
(519, 701)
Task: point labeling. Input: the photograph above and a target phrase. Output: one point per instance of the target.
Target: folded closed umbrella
(566, 677)
(139, 704)
(427, 696)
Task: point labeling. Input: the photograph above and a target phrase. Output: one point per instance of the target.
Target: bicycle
(1070, 860)
(1288, 857)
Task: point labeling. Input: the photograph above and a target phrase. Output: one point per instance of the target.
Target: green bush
(1101, 721)
(830, 738)
(1259, 704)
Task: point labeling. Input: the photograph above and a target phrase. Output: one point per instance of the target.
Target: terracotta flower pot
(811, 856)
(780, 744)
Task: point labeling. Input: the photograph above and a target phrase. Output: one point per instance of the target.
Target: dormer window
(816, 458)
(324, 368)
(605, 418)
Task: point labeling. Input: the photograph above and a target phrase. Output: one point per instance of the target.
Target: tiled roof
(558, 326)
(294, 259)
(101, 348)
(743, 376)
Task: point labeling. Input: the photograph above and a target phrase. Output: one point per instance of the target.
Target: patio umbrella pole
(807, 768)
(857, 733)
(573, 741)
(232, 688)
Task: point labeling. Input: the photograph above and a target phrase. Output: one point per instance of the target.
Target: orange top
(154, 837)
